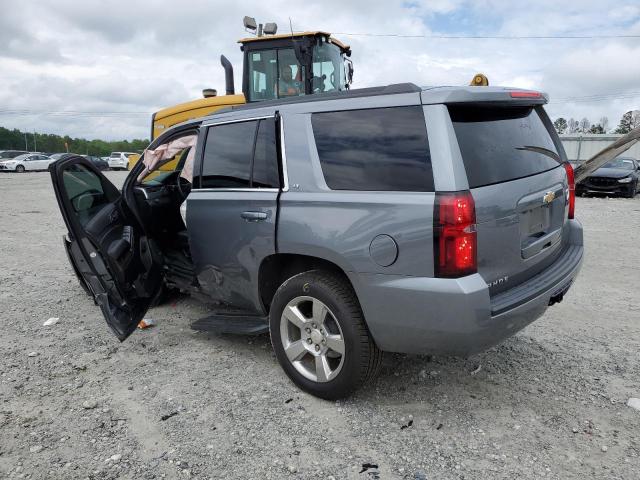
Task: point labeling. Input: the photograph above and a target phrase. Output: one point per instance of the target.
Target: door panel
(114, 261)
(42, 161)
(30, 163)
(231, 233)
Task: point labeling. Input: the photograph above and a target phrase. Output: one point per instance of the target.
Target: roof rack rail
(393, 89)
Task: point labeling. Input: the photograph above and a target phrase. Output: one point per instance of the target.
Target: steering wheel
(318, 83)
(181, 186)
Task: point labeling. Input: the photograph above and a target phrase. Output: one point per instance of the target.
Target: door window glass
(262, 75)
(265, 161)
(274, 74)
(328, 69)
(85, 192)
(290, 75)
(227, 155)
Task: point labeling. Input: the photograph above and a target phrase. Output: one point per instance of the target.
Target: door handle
(254, 216)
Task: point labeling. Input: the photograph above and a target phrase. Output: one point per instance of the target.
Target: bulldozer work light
(250, 23)
(270, 28)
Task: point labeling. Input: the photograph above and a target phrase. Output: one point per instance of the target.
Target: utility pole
(35, 143)
(26, 145)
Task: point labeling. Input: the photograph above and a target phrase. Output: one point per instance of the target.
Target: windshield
(328, 69)
(622, 163)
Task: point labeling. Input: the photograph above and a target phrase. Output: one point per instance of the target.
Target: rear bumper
(457, 316)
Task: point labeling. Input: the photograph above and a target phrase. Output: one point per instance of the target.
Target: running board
(232, 324)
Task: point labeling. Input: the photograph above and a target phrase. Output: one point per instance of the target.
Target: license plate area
(541, 216)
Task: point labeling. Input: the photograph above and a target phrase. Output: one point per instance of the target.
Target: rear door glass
(227, 155)
(265, 160)
(502, 144)
(382, 149)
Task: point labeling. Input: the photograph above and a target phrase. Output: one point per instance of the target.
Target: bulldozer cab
(291, 65)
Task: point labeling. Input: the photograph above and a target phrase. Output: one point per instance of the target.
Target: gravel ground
(174, 403)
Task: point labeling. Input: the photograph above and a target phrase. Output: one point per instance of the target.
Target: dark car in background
(98, 162)
(620, 176)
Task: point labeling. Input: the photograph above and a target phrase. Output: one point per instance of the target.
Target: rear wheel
(320, 337)
(20, 169)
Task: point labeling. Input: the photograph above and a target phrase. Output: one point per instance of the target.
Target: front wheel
(632, 191)
(20, 169)
(320, 337)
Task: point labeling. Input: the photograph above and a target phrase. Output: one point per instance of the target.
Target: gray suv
(399, 219)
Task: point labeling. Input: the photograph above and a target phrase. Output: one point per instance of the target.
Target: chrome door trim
(283, 151)
(237, 120)
(235, 190)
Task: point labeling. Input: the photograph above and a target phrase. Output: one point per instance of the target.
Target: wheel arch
(277, 268)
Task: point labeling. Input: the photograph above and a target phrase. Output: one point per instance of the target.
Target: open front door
(113, 259)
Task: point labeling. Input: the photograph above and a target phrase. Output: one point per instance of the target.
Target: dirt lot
(174, 403)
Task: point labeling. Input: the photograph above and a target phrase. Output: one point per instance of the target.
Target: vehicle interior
(158, 194)
(126, 246)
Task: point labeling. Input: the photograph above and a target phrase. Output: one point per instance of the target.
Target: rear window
(502, 144)
(376, 149)
(115, 155)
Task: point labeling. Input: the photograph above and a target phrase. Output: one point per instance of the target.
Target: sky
(109, 64)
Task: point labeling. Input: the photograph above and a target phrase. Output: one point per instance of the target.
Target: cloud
(137, 57)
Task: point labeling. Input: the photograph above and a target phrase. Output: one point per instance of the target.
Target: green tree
(629, 121)
(560, 125)
(51, 143)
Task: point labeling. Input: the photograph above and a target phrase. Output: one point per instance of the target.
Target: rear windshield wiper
(543, 151)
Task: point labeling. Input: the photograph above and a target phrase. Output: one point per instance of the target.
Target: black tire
(362, 359)
(20, 169)
(631, 192)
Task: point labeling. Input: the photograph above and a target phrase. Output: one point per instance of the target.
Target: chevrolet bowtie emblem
(548, 197)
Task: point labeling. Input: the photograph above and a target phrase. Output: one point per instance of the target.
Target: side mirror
(349, 71)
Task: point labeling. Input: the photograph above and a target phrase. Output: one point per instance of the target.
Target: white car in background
(119, 160)
(26, 162)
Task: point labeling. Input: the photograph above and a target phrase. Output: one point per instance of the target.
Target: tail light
(571, 180)
(455, 240)
(525, 94)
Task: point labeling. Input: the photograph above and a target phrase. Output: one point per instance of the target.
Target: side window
(262, 74)
(85, 191)
(265, 160)
(228, 153)
(383, 149)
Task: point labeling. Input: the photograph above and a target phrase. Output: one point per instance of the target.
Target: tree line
(49, 143)
(628, 122)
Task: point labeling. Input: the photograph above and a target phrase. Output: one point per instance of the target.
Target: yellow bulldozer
(275, 66)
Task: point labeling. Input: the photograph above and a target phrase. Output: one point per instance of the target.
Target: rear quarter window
(383, 149)
(499, 144)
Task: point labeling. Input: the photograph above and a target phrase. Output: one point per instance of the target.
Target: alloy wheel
(312, 339)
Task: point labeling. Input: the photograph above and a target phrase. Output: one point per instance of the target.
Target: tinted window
(265, 162)
(85, 192)
(377, 149)
(227, 155)
(501, 144)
